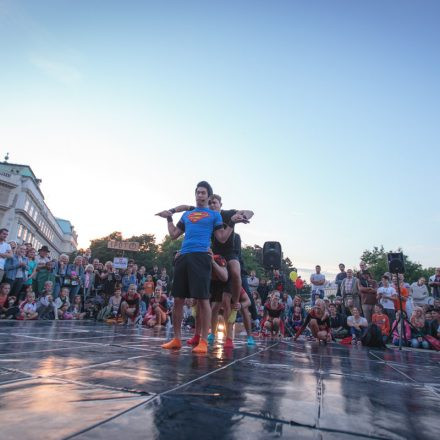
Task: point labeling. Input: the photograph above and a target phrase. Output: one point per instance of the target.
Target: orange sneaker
(174, 344)
(202, 347)
(194, 340)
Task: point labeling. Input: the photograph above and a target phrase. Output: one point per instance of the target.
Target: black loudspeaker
(272, 255)
(395, 262)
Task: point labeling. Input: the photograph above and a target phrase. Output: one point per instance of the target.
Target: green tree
(166, 253)
(99, 248)
(252, 257)
(377, 261)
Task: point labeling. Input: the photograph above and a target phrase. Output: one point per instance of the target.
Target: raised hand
(164, 214)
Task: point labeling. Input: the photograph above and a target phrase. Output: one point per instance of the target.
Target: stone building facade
(25, 214)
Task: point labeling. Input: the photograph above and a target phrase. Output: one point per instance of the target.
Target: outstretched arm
(171, 211)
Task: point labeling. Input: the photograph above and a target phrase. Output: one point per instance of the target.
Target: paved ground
(84, 380)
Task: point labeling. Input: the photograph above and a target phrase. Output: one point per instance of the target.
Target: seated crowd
(34, 286)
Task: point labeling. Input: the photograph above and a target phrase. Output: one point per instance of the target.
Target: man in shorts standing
(192, 270)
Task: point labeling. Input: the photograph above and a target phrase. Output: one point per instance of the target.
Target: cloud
(57, 70)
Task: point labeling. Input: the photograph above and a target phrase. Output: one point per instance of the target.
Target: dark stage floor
(85, 380)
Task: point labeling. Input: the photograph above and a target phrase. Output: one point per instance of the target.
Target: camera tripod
(402, 319)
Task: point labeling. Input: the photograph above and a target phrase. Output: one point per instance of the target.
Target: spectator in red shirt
(130, 305)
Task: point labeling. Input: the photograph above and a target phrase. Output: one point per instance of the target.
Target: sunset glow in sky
(320, 116)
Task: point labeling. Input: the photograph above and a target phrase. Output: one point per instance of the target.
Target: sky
(320, 116)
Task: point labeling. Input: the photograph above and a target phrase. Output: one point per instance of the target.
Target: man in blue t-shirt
(192, 270)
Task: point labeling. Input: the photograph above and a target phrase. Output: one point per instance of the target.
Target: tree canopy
(377, 262)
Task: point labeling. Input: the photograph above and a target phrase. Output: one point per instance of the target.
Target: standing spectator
(362, 267)
(42, 274)
(263, 290)
(109, 278)
(318, 280)
(5, 251)
(357, 325)
(128, 279)
(340, 277)
(368, 291)
(434, 283)
(16, 270)
(277, 282)
(253, 282)
(141, 276)
(88, 256)
(32, 264)
(74, 272)
(43, 257)
(386, 295)
(88, 281)
(419, 292)
(60, 272)
(404, 292)
(382, 321)
(350, 290)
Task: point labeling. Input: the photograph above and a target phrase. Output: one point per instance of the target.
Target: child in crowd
(295, 319)
(157, 312)
(28, 308)
(76, 309)
(46, 307)
(382, 321)
(130, 306)
(5, 288)
(115, 305)
(397, 330)
(62, 300)
(260, 309)
(357, 325)
(318, 321)
(420, 329)
(63, 312)
(188, 318)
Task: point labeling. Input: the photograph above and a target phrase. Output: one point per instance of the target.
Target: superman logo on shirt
(195, 217)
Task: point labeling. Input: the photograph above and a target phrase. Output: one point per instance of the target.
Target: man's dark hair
(205, 185)
(385, 277)
(3, 230)
(380, 306)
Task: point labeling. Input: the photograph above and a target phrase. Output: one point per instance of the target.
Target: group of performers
(207, 268)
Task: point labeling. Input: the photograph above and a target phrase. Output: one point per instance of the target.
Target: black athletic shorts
(217, 288)
(192, 275)
(229, 257)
